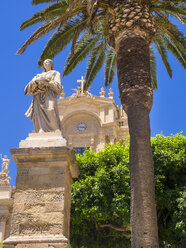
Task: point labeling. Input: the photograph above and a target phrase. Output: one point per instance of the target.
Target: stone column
(92, 143)
(2, 227)
(111, 114)
(41, 210)
(102, 114)
(5, 204)
(101, 143)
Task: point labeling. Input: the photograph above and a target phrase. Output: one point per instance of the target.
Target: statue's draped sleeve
(55, 83)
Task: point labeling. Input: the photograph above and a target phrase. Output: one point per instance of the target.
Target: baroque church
(87, 121)
(90, 121)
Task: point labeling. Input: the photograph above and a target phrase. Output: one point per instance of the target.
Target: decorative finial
(62, 95)
(102, 93)
(111, 93)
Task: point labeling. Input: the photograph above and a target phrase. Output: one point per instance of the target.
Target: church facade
(90, 121)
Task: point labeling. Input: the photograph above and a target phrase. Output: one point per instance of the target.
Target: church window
(80, 150)
(121, 123)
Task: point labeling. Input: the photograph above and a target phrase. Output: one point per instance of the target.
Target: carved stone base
(44, 139)
(4, 179)
(36, 245)
(51, 241)
(43, 245)
(41, 210)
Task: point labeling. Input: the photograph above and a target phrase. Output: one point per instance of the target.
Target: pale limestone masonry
(91, 121)
(43, 139)
(41, 208)
(5, 199)
(6, 203)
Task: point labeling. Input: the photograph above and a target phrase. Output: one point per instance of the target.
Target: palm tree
(119, 33)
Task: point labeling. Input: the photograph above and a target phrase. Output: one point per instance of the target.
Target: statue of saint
(43, 110)
(5, 164)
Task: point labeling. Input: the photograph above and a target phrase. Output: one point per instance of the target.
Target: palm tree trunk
(134, 79)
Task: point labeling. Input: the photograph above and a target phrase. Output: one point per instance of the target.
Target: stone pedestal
(41, 210)
(43, 139)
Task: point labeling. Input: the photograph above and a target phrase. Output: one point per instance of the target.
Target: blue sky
(168, 114)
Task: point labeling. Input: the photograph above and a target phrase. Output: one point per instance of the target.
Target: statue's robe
(43, 110)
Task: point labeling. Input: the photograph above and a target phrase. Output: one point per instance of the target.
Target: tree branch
(120, 236)
(120, 229)
(165, 218)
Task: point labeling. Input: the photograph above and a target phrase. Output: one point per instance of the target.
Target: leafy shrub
(100, 215)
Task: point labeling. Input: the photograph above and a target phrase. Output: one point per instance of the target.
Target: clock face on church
(81, 127)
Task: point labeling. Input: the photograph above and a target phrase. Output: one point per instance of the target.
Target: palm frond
(110, 67)
(95, 62)
(90, 6)
(180, 18)
(175, 2)
(60, 39)
(174, 36)
(163, 13)
(82, 48)
(170, 38)
(163, 53)
(73, 4)
(170, 9)
(44, 29)
(35, 2)
(181, 57)
(175, 41)
(170, 32)
(75, 38)
(153, 69)
(50, 12)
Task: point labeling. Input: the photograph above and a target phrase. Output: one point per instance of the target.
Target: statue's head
(48, 65)
(5, 156)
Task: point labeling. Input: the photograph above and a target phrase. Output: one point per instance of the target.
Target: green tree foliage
(170, 176)
(100, 214)
(101, 196)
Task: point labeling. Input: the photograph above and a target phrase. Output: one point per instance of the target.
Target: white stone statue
(45, 87)
(5, 164)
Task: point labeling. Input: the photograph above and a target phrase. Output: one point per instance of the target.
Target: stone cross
(82, 81)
